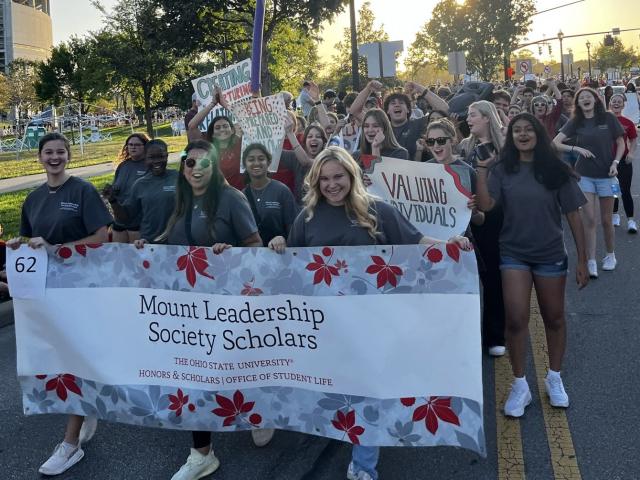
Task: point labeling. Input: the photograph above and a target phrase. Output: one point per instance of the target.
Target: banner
(632, 107)
(262, 120)
(327, 341)
(431, 196)
(235, 82)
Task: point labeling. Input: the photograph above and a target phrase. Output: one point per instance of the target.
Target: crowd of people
(529, 153)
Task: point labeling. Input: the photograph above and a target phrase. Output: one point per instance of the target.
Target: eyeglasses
(440, 141)
(189, 162)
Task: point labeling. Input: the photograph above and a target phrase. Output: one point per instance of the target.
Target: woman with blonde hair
(485, 142)
(338, 211)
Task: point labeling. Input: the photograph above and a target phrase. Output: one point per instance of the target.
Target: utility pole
(589, 57)
(560, 37)
(355, 75)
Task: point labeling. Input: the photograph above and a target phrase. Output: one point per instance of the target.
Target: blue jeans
(365, 458)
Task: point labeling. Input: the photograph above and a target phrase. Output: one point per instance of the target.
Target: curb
(6, 313)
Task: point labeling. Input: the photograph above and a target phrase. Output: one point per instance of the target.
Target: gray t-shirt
(73, 212)
(127, 173)
(532, 228)
(599, 139)
(332, 227)
(233, 222)
(407, 134)
(276, 209)
(288, 159)
(152, 199)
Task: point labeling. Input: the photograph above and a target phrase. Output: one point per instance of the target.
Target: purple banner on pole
(256, 47)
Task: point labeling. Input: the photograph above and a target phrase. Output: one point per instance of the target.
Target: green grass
(94, 153)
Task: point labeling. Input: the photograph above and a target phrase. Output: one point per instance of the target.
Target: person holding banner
(272, 203)
(535, 188)
(486, 138)
(337, 201)
(130, 166)
(65, 210)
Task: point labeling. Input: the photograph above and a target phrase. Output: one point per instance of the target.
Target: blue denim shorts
(603, 187)
(558, 269)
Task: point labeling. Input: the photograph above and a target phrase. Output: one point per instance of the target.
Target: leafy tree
(487, 30)
(366, 32)
(140, 54)
(18, 89)
(615, 56)
(72, 73)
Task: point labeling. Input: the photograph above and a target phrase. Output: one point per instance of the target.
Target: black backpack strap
(187, 222)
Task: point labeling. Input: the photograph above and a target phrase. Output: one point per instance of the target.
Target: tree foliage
(18, 90)
(615, 56)
(486, 30)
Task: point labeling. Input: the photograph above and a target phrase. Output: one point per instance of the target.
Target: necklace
(55, 189)
(257, 193)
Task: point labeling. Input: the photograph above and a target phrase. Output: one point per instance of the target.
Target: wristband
(616, 162)
(317, 103)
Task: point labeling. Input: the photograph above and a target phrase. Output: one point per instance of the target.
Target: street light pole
(560, 37)
(570, 62)
(589, 57)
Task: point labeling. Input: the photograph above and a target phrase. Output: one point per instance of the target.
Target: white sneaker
(353, 475)
(555, 389)
(632, 227)
(615, 219)
(88, 429)
(497, 351)
(62, 459)
(197, 466)
(592, 266)
(609, 262)
(519, 399)
(262, 436)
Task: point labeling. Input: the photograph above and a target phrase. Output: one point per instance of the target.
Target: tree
(366, 32)
(199, 26)
(19, 88)
(72, 73)
(487, 30)
(136, 46)
(615, 56)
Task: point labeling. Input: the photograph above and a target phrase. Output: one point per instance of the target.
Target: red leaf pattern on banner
(61, 383)
(327, 252)
(146, 264)
(386, 273)
(195, 261)
(347, 423)
(434, 255)
(94, 245)
(230, 409)
(255, 419)
(453, 251)
(436, 408)
(324, 272)
(408, 401)
(250, 290)
(81, 249)
(41, 377)
(64, 252)
(178, 401)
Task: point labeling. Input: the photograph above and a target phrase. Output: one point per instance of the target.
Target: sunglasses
(189, 162)
(539, 104)
(440, 141)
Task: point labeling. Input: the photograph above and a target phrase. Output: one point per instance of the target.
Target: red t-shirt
(230, 165)
(283, 174)
(630, 132)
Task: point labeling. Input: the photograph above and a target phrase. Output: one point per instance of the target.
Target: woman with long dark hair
(595, 135)
(64, 210)
(377, 138)
(534, 188)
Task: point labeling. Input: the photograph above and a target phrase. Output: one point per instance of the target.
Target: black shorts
(118, 227)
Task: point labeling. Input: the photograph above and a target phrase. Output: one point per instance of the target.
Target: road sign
(457, 63)
(381, 58)
(524, 66)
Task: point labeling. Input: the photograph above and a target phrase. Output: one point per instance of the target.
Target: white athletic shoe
(609, 262)
(592, 266)
(62, 459)
(197, 466)
(353, 475)
(632, 226)
(615, 219)
(262, 436)
(555, 389)
(519, 399)
(88, 429)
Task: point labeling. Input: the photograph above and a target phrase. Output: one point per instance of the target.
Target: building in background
(25, 30)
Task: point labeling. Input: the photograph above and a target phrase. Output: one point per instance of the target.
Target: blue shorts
(558, 269)
(603, 187)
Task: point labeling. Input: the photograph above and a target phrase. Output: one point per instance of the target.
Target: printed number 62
(22, 267)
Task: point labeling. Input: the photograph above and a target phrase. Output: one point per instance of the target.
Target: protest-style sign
(431, 196)
(262, 121)
(235, 82)
(336, 342)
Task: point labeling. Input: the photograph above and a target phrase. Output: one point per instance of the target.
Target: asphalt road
(600, 375)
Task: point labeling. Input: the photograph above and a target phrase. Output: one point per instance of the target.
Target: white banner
(178, 337)
(431, 196)
(235, 82)
(632, 107)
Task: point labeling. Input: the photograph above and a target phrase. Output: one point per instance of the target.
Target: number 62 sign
(27, 271)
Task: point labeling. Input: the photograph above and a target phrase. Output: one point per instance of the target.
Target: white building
(25, 30)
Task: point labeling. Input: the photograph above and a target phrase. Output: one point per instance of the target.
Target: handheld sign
(27, 272)
(431, 196)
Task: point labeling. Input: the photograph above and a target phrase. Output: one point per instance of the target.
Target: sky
(403, 18)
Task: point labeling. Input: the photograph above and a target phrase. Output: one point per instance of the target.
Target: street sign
(524, 66)
(381, 58)
(457, 63)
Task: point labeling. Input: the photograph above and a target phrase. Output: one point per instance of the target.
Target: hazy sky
(403, 18)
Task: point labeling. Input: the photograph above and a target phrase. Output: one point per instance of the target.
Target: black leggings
(625, 174)
(201, 439)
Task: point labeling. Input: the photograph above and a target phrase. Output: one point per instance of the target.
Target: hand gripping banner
(369, 345)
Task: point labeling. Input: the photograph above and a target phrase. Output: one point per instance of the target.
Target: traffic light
(539, 49)
(608, 41)
(549, 49)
